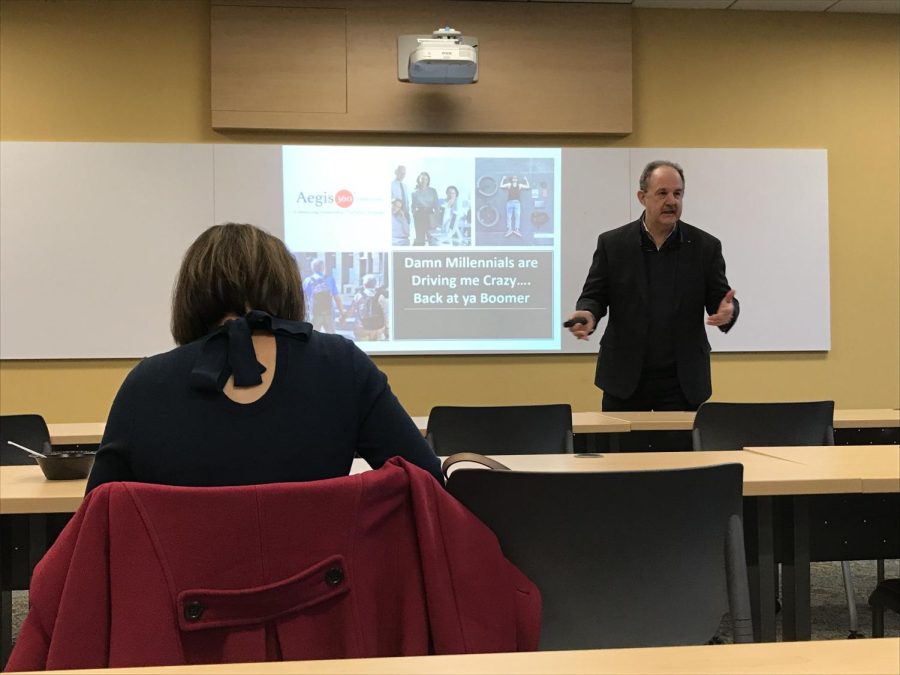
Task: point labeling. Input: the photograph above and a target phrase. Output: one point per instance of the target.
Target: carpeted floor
(830, 617)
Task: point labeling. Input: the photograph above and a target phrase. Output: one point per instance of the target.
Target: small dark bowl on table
(66, 465)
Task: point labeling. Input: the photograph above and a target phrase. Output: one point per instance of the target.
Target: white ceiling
(856, 6)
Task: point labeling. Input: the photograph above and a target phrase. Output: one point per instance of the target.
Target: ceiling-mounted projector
(446, 57)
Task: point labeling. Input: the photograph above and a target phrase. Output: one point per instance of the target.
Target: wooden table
(582, 423)
(23, 491)
(684, 421)
(800, 472)
(763, 475)
(657, 421)
(76, 433)
(876, 467)
(865, 419)
(845, 657)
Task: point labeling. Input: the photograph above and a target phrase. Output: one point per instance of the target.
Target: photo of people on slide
(430, 204)
(410, 270)
(347, 293)
(514, 201)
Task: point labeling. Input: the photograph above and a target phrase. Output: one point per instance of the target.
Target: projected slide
(413, 249)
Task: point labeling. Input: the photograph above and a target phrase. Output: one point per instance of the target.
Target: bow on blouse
(229, 351)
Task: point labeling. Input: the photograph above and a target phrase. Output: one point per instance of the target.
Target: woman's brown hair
(231, 269)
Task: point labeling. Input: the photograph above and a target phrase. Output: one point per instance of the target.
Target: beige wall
(139, 71)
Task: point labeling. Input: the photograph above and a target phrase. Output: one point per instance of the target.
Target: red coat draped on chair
(382, 563)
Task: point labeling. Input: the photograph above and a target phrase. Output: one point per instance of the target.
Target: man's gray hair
(653, 166)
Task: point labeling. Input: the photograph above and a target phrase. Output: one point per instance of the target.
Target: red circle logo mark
(343, 198)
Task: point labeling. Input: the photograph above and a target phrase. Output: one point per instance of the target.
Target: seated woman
(252, 394)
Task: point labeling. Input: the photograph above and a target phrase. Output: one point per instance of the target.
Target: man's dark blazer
(617, 282)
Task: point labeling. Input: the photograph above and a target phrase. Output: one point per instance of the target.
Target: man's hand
(725, 313)
(581, 330)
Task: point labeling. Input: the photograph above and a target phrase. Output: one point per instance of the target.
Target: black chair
(885, 596)
(734, 426)
(622, 559)
(501, 430)
(28, 430)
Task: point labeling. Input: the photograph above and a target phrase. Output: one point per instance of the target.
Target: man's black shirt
(660, 267)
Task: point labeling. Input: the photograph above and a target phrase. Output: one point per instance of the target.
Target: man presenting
(655, 276)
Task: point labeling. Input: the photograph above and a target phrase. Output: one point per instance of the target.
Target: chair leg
(777, 580)
(5, 626)
(877, 622)
(851, 601)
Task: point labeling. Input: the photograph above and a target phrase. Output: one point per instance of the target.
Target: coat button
(334, 576)
(193, 610)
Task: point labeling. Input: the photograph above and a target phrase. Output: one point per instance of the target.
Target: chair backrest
(501, 430)
(622, 559)
(733, 426)
(28, 430)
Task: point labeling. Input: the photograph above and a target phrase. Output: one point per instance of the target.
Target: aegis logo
(342, 198)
